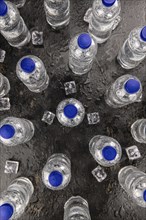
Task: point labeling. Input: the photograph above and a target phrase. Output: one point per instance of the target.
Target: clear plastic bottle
(70, 112)
(133, 181)
(125, 90)
(133, 50)
(14, 200)
(19, 3)
(56, 174)
(12, 26)
(138, 130)
(15, 131)
(105, 150)
(103, 18)
(76, 208)
(4, 86)
(57, 13)
(31, 71)
(82, 52)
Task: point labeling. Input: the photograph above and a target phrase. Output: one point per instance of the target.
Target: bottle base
(125, 65)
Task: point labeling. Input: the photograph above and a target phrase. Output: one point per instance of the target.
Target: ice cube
(48, 117)
(93, 118)
(37, 38)
(133, 153)
(4, 104)
(87, 16)
(70, 87)
(99, 173)
(11, 166)
(2, 55)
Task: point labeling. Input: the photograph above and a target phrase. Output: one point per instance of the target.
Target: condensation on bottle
(12, 26)
(105, 150)
(82, 52)
(125, 90)
(15, 131)
(32, 72)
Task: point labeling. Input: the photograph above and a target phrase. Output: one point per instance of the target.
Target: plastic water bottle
(12, 26)
(76, 208)
(56, 174)
(57, 13)
(125, 90)
(31, 71)
(4, 86)
(15, 131)
(19, 3)
(103, 18)
(70, 112)
(133, 181)
(14, 200)
(82, 51)
(105, 150)
(133, 50)
(138, 130)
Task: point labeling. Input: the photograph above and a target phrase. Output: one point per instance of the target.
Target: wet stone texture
(106, 200)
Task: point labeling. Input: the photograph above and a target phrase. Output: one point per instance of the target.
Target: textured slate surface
(106, 200)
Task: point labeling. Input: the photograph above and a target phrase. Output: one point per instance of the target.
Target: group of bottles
(56, 175)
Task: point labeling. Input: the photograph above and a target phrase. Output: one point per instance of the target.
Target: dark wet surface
(107, 201)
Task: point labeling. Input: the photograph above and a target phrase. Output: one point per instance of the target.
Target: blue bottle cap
(6, 211)
(143, 34)
(108, 3)
(7, 131)
(28, 65)
(55, 178)
(3, 8)
(84, 41)
(132, 86)
(144, 195)
(70, 111)
(109, 153)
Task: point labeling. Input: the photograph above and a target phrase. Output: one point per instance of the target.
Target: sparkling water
(56, 174)
(4, 86)
(57, 13)
(15, 131)
(133, 181)
(125, 90)
(138, 130)
(105, 150)
(133, 50)
(103, 18)
(12, 26)
(14, 200)
(32, 72)
(82, 52)
(70, 112)
(76, 208)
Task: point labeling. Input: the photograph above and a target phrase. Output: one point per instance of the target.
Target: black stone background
(107, 201)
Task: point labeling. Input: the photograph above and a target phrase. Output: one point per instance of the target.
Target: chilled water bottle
(76, 208)
(70, 112)
(15, 131)
(133, 50)
(125, 90)
(138, 130)
(31, 71)
(133, 181)
(4, 86)
(57, 13)
(14, 200)
(56, 174)
(12, 26)
(19, 3)
(103, 18)
(82, 52)
(105, 150)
